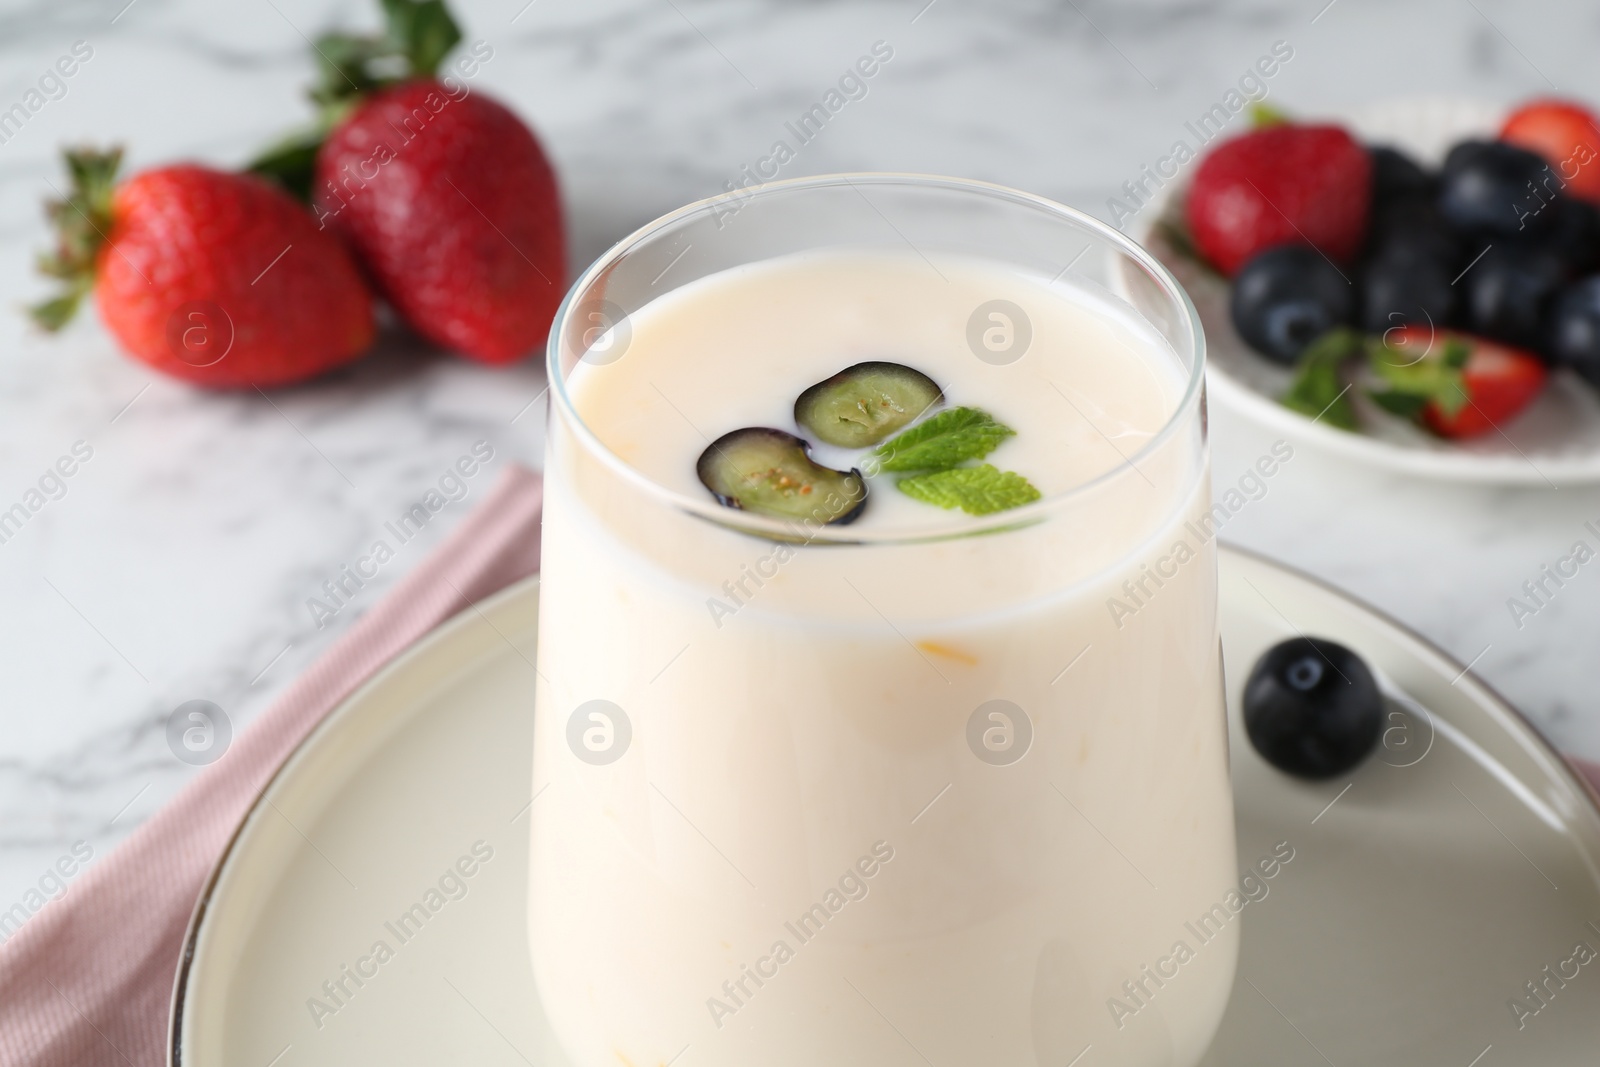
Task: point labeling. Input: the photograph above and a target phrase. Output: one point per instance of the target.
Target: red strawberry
(1280, 184)
(446, 196)
(453, 209)
(1566, 135)
(217, 278)
(1467, 385)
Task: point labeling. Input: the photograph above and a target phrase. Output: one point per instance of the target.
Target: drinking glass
(951, 793)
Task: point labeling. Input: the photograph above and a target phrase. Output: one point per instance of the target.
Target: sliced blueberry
(864, 404)
(1286, 297)
(771, 472)
(1508, 291)
(1395, 174)
(1574, 339)
(1312, 708)
(1490, 187)
(1397, 291)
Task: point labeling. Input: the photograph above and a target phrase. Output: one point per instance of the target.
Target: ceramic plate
(1425, 889)
(1555, 441)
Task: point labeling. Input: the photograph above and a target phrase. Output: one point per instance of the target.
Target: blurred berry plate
(1423, 891)
(1554, 442)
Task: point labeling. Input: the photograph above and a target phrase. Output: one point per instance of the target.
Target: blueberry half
(864, 404)
(1312, 708)
(771, 472)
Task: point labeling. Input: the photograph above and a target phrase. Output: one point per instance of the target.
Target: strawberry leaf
(292, 162)
(56, 312)
(980, 490)
(1412, 381)
(949, 438)
(1262, 114)
(1405, 405)
(423, 32)
(81, 222)
(1318, 389)
(418, 35)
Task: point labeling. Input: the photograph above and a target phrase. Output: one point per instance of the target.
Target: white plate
(1555, 441)
(1425, 888)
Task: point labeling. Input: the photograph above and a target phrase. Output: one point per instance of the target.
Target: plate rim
(469, 616)
(439, 634)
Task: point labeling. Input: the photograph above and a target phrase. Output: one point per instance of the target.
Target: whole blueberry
(1397, 175)
(1412, 228)
(1397, 289)
(1492, 188)
(1312, 708)
(1286, 297)
(1574, 339)
(1508, 292)
(1574, 235)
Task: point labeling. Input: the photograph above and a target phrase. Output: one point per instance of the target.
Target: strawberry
(445, 196)
(460, 226)
(1458, 385)
(1566, 135)
(217, 278)
(1278, 184)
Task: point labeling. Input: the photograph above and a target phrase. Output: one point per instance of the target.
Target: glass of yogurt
(879, 713)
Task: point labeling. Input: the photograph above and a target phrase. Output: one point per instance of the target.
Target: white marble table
(178, 563)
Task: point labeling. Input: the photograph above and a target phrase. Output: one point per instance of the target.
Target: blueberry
(1574, 339)
(1397, 290)
(1574, 235)
(864, 404)
(1397, 175)
(1497, 189)
(1286, 297)
(1312, 708)
(1508, 291)
(1411, 228)
(771, 472)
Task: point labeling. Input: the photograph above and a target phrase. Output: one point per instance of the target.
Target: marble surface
(178, 562)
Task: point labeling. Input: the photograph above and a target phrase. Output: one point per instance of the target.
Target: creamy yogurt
(919, 799)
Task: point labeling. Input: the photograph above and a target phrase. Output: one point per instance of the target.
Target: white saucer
(1425, 889)
(1555, 441)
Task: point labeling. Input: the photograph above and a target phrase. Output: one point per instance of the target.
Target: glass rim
(779, 529)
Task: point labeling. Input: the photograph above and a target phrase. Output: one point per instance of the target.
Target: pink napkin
(87, 982)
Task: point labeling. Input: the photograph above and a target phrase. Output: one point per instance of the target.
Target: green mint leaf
(949, 438)
(980, 490)
(1411, 379)
(1318, 389)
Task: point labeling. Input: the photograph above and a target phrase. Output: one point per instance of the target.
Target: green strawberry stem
(418, 34)
(1410, 382)
(422, 31)
(1318, 388)
(1263, 114)
(82, 222)
(1405, 382)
